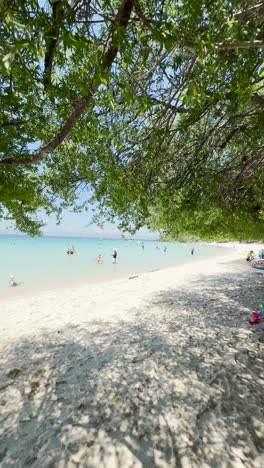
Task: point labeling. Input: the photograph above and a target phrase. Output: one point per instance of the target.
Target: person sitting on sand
(255, 318)
(250, 256)
(99, 259)
(12, 282)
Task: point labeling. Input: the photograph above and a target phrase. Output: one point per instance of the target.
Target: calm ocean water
(41, 263)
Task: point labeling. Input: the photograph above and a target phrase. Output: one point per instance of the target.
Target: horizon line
(75, 236)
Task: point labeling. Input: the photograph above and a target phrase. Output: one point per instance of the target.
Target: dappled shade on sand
(178, 384)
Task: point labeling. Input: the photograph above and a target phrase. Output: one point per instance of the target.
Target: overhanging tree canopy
(156, 106)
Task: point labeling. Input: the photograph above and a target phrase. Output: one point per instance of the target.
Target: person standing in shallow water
(192, 251)
(99, 259)
(114, 255)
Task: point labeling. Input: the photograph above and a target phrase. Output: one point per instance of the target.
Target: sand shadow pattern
(180, 385)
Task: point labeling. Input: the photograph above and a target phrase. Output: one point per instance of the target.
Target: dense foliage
(154, 108)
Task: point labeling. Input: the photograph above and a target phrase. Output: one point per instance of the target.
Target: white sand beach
(161, 370)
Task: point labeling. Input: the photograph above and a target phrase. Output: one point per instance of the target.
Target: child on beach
(250, 256)
(255, 318)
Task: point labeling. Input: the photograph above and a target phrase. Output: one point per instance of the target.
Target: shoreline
(59, 290)
(26, 291)
(100, 294)
(17, 293)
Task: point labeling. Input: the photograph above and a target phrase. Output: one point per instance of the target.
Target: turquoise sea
(41, 263)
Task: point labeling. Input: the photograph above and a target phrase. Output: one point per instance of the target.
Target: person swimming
(12, 281)
(70, 250)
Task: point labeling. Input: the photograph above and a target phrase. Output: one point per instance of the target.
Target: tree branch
(142, 17)
(232, 133)
(251, 10)
(240, 45)
(121, 21)
(221, 45)
(57, 15)
(168, 104)
(12, 123)
(258, 98)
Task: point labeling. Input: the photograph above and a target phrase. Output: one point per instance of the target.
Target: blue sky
(78, 224)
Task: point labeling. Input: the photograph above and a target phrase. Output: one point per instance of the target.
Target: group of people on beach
(99, 258)
(251, 255)
(158, 248)
(256, 262)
